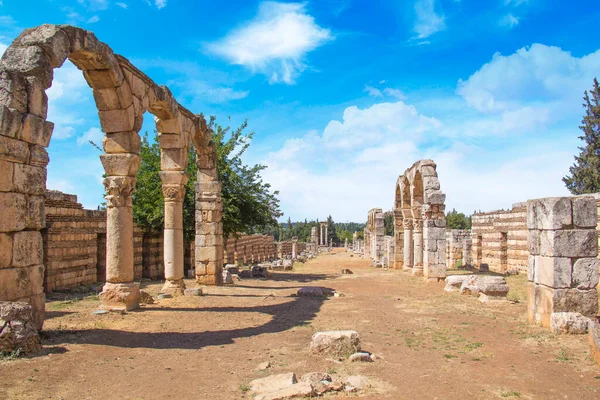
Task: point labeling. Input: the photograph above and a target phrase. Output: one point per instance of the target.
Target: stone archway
(419, 208)
(122, 94)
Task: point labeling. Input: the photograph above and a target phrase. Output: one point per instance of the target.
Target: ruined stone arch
(122, 94)
(420, 244)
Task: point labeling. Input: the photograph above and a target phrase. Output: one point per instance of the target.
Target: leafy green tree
(249, 205)
(456, 220)
(584, 175)
(388, 223)
(331, 232)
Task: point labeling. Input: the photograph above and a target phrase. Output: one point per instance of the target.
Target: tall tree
(388, 223)
(249, 205)
(456, 220)
(331, 233)
(584, 175)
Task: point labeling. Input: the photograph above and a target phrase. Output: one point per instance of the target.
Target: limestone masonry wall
(249, 248)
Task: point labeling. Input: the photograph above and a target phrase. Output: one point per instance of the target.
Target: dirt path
(433, 344)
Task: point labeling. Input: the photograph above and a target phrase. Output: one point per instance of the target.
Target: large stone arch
(122, 94)
(419, 204)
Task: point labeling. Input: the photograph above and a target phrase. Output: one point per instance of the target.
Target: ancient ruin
(122, 94)
(420, 223)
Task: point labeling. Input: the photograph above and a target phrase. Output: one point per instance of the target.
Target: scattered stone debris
(191, 274)
(489, 288)
(162, 296)
(263, 366)
(454, 282)
(357, 382)
(18, 330)
(288, 265)
(310, 291)
(273, 382)
(227, 278)
(346, 271)
(146, 298)
(336, 343)
(194, 292)
(259, 272)
(362, 357)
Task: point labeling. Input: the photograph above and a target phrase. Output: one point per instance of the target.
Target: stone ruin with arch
(554, 240)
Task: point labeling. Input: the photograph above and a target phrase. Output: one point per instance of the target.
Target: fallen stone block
(289, 392)
(594, 339)
(569, 322)
(18, 330)
(492, 287)
(288, 265)
(454, 282)
(263, 366)
(273, 383)
(356, 382)
(346, 271)
(310, 291)
(227, 279)
(146, 298)
(360, 357)
(193, 292)
(338, 343)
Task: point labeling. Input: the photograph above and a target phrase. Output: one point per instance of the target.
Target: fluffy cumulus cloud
(275, 43)
(510, 135)
(428, 21)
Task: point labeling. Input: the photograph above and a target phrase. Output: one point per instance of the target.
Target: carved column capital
(418, 225)
(407, 223)
(119, 190)
(173, 184)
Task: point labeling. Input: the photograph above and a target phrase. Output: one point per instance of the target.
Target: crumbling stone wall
(457, 248)
(122, 94)
(374, 232)
(249, 248)
(285, 249)
(500, 239)
(388, 251)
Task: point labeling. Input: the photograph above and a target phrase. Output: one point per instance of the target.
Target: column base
(120, 296)
(173, 287)
(417, 271)
(407, 268)
(208, 280)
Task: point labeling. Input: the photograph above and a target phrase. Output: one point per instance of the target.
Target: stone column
(119, 291)
(408, 243)
(398, 257)
(563, 266)
(294, 248)
(467, 248)
(326, 234)
(417, 269)
(173, 193)
(320, 235)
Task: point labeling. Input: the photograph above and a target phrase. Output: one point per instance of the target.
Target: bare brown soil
(433, 344)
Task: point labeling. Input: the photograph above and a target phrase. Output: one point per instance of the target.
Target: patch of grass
(449, 356)
(59, 305)
(510, 393)
(518, 287)
(563, 356)
(331, 371)
(244, 387)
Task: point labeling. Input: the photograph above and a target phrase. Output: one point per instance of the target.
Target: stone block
(29, 179)
(51, 38)
(594, 339)
(336, 343)
(39, 156)
(18, 329)
(36, 130)
(23, 282)
(533, 242)
(13, 90)
(569, 243)
(585, 212)
(434, 197)
(37, 213)
(569, 322)
(554, 272)
(14, 211)
(549, 213)
(27, 248)
(6, 176)
(117, 120)
(124, 164)
(273, 383)
(575, 300)
(172, 125)
(431, 183)
(105, 78)
(13, 150)
(122, 142)
(585, 273)
(113, 98)
(30, 61)
(10, 121)
(174, 159)
(37, 100)
(6, 246)
(531, 268)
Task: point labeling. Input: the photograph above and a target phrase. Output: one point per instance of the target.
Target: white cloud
(275, 43)
(93, 20)
(211, 94)
(373, 91)
(391, 92)
(531, 75)
(515, 3)
(509, 134)
(427, 22)
(93, 134)
(160, 3)
(122, 5)
(509, 21)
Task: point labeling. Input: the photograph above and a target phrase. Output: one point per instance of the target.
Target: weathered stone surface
(29, 179)
(227, 278)
(360, 356)
(27, 249)
(594, 339)
(454, 282)
(301, 389)
(357, 382)
(6, 246)
(273, 382)
(549, 213)
(18, 328)
(51, 38)
(122, 142)
(584, 212)
(10, 122)
(36, 130)
(124, 164)
(553, 271)
(569, 243)
(146, 298)
(585, 273)
(13, 150)
(338, 343)
(193, 292)
(117, 120)
(120, 296)
(489, 285)
(30, 61)
(347, 271)
(569, 322)
(288, 265)
(263, 366)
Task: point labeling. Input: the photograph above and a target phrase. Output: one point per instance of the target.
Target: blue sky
(344, 95)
